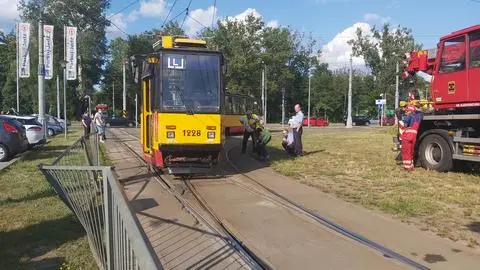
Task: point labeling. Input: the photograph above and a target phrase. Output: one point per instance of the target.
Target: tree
(88, 17)
(381, 51)
(173, 28)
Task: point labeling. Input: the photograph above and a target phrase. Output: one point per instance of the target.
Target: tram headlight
(211, 135)
(170, 134)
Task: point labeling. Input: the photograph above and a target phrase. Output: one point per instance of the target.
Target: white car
(33, 129)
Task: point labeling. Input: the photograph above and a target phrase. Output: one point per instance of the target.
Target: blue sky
(332, 22)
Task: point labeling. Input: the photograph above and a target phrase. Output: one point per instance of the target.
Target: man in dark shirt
(86, 122)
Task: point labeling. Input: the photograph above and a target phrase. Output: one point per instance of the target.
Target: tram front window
(191, 83)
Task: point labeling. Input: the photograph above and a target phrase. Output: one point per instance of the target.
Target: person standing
(409, 137)
(86, 122)
(297, 122)
(250, 122)
(99, 124)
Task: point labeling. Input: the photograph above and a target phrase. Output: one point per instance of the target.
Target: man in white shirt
(297, 122)
(99, 123)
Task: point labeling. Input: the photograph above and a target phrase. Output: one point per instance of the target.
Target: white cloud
(374, 18)
(337, 52)
(8, 13)
(241, 17)
(198, 19)
(272, 24)
(152, 8)
(120, 21)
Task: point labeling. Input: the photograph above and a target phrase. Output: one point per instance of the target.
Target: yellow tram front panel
(186, 129)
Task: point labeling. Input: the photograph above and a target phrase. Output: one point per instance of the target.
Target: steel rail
(253, 261)
(330, 224)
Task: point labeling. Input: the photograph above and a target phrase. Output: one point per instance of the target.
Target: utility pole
(18, 62)
(349, 116)
(124, 105)
(58, 97)
(136, 110)
(265, 114)
(309, 83)
(283, 106)
(396, 87)
(263, 91)
(41, 78)
(396, 91)
(113, 99)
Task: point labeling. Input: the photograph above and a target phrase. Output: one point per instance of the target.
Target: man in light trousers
(297, 122)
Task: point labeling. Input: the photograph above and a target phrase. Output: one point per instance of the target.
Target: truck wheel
(435, 153)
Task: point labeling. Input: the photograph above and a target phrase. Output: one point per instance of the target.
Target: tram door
(147, 116)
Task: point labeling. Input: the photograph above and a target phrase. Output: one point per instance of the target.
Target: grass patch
(36, 229)
(357, 165)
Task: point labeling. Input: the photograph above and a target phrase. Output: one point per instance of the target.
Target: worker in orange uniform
(409, 137)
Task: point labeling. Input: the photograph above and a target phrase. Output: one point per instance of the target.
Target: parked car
(317, 122)
(118, 122)
(388, 121)
(358, 120)
(13, 138)
(33, 129)
(53, 126)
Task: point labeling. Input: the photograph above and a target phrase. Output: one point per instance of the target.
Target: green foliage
(381, 51)
(88, 16)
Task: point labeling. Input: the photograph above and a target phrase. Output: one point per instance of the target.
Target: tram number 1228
(189, 132)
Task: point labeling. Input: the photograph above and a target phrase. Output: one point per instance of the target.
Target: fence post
(107, 196)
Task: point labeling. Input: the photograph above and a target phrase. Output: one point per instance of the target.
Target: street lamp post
(309, 91)
(89, 102)
(64, 63)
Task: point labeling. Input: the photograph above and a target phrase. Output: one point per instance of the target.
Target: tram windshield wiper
(189, 109)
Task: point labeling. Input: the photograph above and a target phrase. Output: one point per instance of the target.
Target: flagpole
(17, 48)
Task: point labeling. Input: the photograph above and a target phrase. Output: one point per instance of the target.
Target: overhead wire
(186, 14)
(170, 11)
(213, 15)
(123, 9)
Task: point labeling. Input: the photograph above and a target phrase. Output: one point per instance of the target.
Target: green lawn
(358, 165)
(36, 229)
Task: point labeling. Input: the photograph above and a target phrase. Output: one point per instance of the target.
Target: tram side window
(453, 55)
(474, 40)
(228, 105)
(235, 108)
(243, 106)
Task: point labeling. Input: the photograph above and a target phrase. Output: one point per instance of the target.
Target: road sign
(380, 101)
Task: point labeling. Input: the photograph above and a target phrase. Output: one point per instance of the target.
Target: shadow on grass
(474, 226)
(45, 152)
(29, 197)
(250, 162)
(25, 245)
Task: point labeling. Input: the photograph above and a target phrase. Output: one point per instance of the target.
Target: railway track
(217, 226)
(274, 197)
(251, 185)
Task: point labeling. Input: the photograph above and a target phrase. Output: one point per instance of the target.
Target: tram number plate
(191, 132)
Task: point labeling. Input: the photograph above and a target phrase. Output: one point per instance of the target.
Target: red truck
(451, 129)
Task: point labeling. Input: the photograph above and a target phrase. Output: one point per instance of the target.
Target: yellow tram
(234, 107)
(182, 96)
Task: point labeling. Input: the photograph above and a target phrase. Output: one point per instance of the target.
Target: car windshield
(191, 82)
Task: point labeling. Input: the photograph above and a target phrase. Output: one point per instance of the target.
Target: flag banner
(71, 52)
(48, 50)
(23, 50)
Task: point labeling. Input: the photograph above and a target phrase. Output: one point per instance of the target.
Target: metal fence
(96, 198)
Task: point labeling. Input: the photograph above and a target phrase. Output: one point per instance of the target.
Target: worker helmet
(411, 108)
